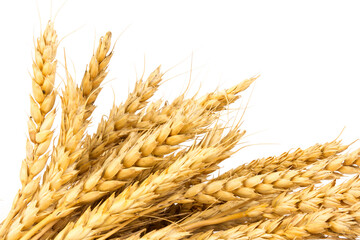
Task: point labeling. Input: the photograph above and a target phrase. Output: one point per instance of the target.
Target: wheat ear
(339, 222)
(96, 73)
(64, 155)
(213, 138)
(41, 118)
(308, 200)
(312, 199)
(315, 224)
(204, 218)
(73, 125)
(297, 159)
(202, 109)
(41, 104)
(250, 186)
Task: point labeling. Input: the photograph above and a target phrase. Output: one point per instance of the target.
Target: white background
(307, 52)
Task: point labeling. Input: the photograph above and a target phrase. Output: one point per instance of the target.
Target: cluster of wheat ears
(134, 178)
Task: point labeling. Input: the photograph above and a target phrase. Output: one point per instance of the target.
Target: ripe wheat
(146, 171)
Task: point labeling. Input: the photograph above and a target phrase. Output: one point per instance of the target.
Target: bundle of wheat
(135, 179)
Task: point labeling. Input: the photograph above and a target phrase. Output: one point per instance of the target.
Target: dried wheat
(134, 198)
(40, 121)
(255, 186)
(288, 160)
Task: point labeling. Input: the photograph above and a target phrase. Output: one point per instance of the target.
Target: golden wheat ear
(41, 105)
(297, 159)
(42, 115)
(95, 73)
